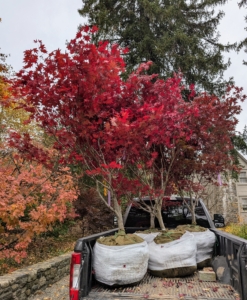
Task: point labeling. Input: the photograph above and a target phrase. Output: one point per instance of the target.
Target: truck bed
(230, 255)
(150, 287)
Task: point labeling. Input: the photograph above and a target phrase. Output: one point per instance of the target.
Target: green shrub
(237, 229)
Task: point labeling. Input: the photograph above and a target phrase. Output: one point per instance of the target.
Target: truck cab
(174, 212)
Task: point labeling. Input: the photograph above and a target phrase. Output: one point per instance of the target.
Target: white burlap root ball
(120, 265)
(176, 254)
(205, 244)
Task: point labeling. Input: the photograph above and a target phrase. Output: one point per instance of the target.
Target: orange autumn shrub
(32, 199)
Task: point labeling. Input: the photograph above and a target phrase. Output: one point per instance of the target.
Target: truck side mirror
(219, 221)
(115, 222)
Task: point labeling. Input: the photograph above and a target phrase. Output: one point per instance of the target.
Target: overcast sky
(55, 21)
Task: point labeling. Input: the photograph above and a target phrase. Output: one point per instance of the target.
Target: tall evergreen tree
(242, 3)
(243, 43)
(174, 34)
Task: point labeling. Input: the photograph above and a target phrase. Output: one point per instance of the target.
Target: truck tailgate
(151, 288)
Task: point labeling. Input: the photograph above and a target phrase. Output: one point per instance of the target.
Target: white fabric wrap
(148, 237)
(176, 254)
(205, 244)
(120, 264)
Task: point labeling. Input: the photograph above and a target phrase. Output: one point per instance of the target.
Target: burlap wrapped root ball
(122, 263)
(205, 240)
(173, 259)
(205, 245)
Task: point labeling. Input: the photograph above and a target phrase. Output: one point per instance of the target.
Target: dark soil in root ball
(175, 272)
(205, 263)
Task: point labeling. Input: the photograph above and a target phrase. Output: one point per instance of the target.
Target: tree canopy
(243, 43)
(175, 35)
(129, 136)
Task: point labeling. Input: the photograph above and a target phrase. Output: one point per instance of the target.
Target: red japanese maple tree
(128, 136)
(153, 127)
(74, 96)
(209, 151)
(98, 120)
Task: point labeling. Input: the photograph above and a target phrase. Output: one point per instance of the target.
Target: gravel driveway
(58, 291)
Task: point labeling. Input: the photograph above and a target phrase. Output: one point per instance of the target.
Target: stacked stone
(25, 282)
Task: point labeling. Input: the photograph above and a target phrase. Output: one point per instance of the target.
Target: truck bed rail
(231, 253)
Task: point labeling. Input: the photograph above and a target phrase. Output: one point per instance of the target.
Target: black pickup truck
(229, 262)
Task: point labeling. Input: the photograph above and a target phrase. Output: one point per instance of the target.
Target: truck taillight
(75, 276)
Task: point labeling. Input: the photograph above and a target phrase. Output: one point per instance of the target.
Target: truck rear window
(174, 213)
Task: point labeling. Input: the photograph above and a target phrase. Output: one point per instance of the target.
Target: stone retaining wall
(25, 282)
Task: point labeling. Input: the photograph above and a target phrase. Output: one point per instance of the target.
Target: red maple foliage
(131, 137)
(74, 96)
(209, 151)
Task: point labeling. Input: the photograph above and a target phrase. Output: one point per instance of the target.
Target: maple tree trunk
(118, 212)
(120, 222)
(193, 215)
(152, 223)
(160, 219)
